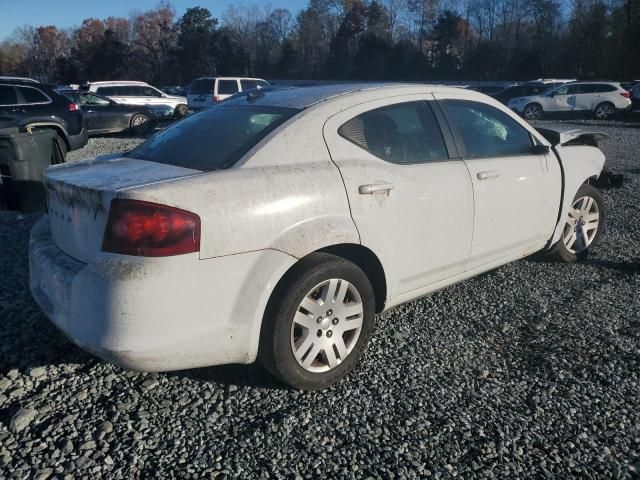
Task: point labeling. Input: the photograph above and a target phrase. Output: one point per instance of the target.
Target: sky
(67, 13)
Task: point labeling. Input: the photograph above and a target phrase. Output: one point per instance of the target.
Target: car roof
(26, 83)
(228, 78)
(118, 82)
(20, 81)
(307, 96)
(17, 79)
(592, 83)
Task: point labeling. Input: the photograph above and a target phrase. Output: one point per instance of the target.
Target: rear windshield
(204, 85)
(213, 139)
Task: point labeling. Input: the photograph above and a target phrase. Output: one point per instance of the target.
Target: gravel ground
(530, 371)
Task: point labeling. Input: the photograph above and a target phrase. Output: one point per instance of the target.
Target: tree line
(341, 40)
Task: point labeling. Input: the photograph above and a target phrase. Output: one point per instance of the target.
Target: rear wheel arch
(358, 254)
(58, 129)
(369, 263)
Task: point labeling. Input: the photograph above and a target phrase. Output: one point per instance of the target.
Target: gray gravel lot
(530, 371)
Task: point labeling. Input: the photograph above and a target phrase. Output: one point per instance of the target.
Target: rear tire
(140, 124)
(181, 111)
(318, 322)
(604, 111)
(532, 111)
(59, 151)
(583, 226)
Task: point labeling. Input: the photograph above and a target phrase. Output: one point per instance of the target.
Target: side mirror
(552, 94)
(540, 149)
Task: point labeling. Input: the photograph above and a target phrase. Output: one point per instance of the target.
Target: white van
(206, 91)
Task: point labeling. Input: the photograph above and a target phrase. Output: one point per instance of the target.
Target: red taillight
(74, 107)
(625, 94)
(216, 98)
(148, 229)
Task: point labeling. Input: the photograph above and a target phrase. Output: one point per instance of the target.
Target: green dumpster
(23, 157)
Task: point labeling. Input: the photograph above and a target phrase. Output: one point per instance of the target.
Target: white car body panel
(441, 192)
(523, 225)
(293, 193)
(164, 319)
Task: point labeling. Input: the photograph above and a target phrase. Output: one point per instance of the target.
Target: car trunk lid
(79, 195)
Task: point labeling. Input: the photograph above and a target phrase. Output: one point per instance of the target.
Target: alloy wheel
(532, 112)
(604, 112)
(582, 224)
(327, 325)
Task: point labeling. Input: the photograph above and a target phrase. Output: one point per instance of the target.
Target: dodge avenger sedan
(275, 225)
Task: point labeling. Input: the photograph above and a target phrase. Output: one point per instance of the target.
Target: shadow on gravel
(625, 267)
(242, 375)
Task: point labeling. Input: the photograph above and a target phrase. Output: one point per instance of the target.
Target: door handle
(374, 188)
(487, 175)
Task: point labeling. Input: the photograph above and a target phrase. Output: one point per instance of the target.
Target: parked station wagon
(275, 225)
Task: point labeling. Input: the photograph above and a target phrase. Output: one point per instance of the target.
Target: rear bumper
(79, 140)
(155, 314)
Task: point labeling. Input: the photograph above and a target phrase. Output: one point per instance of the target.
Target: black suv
(34, 105)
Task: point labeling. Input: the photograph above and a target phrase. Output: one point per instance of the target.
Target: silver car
(141, 93)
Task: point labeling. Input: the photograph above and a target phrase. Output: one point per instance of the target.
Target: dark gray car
(107, 116)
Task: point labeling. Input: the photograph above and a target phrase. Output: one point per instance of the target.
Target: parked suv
(206, 91)
(140, 93)
(26, 104)
(523, 90)
(600, 99)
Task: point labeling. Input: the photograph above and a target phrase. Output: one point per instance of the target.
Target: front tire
(59, 151)
(318, 322)
(181, 111)
(604, 111)
(583, 226)
(532, 111)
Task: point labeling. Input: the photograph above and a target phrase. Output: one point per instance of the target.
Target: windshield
(213, 139)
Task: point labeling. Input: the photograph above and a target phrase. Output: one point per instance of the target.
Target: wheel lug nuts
(335, 321)
(329, 333)
(319, 319)
(319, 333)
(329, 313)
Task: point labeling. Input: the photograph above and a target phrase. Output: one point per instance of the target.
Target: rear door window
(486, 131)
(92, 99)
(604, 88)
(227, 87)
(33, 95)
(147, 92)
(401, 133)
(588, 88)
(111, 91)
(213, 139)
(8, 95)
(202, 86)
(249, 84)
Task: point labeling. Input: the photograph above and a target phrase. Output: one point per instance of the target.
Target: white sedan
(275, 225)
